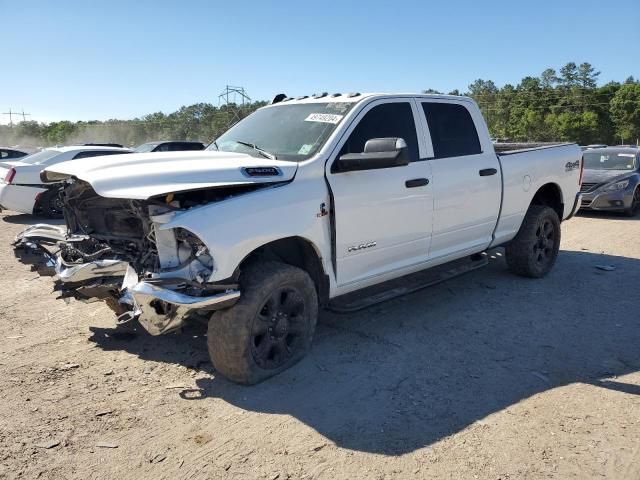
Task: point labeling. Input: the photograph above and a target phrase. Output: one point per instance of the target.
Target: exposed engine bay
(115, 250)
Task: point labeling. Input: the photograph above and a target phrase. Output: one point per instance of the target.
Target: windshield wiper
(262, 152)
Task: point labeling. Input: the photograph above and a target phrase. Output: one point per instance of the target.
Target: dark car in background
(169, 146)
(611, 180)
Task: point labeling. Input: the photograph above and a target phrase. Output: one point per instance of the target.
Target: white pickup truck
(334, 201)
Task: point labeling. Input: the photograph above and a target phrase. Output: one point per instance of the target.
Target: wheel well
(551, 196)
(298, 252)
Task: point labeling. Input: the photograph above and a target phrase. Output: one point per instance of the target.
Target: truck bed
(528, 169)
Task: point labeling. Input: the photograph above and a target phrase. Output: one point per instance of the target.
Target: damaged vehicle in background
(22, 190)
(321, 201)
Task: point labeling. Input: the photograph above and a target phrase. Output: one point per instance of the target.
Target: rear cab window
(453, 133)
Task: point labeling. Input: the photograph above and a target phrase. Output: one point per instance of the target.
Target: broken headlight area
(116, 251)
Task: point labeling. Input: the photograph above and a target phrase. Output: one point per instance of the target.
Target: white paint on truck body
(401, 230)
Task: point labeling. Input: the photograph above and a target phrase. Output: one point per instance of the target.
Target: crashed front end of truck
(117, 251)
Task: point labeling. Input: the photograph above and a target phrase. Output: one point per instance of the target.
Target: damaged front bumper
(160, 305)
(161, 310)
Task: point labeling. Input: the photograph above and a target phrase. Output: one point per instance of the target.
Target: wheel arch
(298, 252)
(550, 195)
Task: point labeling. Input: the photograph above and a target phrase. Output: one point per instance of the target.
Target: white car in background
(21, 189)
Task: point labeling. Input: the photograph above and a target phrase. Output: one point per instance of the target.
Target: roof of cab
(357, 97)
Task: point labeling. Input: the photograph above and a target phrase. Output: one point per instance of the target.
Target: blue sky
(82, 60)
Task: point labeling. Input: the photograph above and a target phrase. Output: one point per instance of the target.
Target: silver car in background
(611, 180)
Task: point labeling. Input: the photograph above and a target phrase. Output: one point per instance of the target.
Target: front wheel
(269, 329)
(635, 204)
(533, 252)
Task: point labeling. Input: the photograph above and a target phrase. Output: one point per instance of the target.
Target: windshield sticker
(324, 118)
(604, 158)
(305, 149)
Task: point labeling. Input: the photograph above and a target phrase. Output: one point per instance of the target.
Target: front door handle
(485, 172)
(416, 182)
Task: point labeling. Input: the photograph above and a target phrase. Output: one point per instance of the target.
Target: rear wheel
(533, 252)
(269, 329)
(51, 204)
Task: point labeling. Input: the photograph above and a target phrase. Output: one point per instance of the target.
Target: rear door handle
(416, 182)
(485, 172)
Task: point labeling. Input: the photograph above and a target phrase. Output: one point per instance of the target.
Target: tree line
(564, 105)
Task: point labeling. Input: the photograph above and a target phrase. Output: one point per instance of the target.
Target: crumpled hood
(144, 175)
(604, 176)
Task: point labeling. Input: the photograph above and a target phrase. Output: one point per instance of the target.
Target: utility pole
(25, 115)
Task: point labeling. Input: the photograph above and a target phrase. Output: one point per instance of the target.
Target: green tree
(625, 112)
(587, 76)
(569, 75)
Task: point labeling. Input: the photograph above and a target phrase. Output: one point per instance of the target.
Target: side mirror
(378, 153)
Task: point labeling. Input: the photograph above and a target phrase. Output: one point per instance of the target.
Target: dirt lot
(487, 376)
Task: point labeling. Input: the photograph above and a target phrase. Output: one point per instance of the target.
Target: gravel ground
(487, 376)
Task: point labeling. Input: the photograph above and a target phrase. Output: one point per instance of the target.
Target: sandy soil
(487, 376)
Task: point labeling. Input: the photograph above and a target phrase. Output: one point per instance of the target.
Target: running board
(397, 287)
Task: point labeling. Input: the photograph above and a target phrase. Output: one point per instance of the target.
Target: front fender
(234, 228)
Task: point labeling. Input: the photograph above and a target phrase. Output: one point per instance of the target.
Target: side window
(179, 147)
(383, 121)
(4, 154)
(453, 133)
(165, 147)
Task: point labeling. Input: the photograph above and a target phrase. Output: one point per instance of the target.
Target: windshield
(609, 161)
(145, 147)
(287, 132)
(40, 157)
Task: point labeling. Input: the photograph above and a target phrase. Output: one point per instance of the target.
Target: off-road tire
(533, 252)
(235, 338)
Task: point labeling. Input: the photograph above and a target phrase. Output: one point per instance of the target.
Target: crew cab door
(382, 216)
(467, 181)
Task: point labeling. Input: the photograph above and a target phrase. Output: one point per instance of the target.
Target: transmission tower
(11, 113)
(234, 99)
